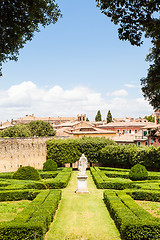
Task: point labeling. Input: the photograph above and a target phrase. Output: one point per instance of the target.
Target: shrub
(138, 172)
(26, 173)
(50, 165)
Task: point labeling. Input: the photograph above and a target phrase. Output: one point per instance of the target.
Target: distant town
(123, 131)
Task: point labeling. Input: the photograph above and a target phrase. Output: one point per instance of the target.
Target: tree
(150, 118)
(87, 119)
(40, 128)
(34, 128)
(109, 117)
(135, 19)
(19, 130)
(19, 20)
(98, 117)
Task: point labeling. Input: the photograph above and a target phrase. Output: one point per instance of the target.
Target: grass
(82, 217)
(8, 210)
(152, 207)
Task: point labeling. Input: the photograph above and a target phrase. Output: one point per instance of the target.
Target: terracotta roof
(123, 124)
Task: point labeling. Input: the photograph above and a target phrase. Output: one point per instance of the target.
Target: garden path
(82, 217)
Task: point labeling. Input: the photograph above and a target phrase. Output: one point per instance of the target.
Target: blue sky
(76, 66)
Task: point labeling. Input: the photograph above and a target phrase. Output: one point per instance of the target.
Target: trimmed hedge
(132, 221)
(48, 174)
(61, 180)
(35, 218)
(147, 195)
(138, 172)
(103, 182)
(50, 165)
(16, 195)
(70, 150)
(26, 173)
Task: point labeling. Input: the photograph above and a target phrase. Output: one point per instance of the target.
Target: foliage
(36, 217)
(16, 195)
(138, 172)
(26, 173)
(50, 165)
(104, 182)
(61, 180)
(48, 174)
(19, 130)
(35, 128)
(150, 118)
(87, 119)
(136, 19)
(132, 221)
(98, 117)
(19, 20)
(70, 150)
(109, 117)
(41, 128)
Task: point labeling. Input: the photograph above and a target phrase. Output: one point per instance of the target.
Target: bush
(50, 165)
(138, 172)
(35, 218)
(132, 221)
(26, 173)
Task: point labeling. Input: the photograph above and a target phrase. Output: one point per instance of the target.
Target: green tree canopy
(34, 128)
(19, 130)
(41, 128)
(109, 117)
(18, 22)
(150, 118)
(136, 19)
(98, 117)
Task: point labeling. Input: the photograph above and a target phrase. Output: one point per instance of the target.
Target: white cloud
(28, 98)
(131, 85)
(118, 93)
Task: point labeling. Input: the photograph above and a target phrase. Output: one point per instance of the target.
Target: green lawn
(8, 210)
(82, 217)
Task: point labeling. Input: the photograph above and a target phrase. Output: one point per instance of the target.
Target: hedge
(103, 182)
(35, 218)
(48, 174)
(147, 195)
(132, 221)
(16, 195)
(61, 180)
(13, 184)
(70, 150)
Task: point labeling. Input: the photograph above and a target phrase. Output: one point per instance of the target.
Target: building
(52, 120)
(4, 125)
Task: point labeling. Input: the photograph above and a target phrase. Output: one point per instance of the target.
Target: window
(123, 130)
(145, 133)
(151, 140)
(139, 143)
(146, 143)
(135, 130)
(117, 130)
(130, 131)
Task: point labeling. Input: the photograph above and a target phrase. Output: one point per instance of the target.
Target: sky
(76, 66)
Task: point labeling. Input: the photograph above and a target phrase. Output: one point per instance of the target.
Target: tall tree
(136, 19)
(98, 117)
(19, 19)
(109, 117)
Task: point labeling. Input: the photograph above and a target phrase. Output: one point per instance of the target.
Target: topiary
(138, 172)
(27, 173)
(50, 165)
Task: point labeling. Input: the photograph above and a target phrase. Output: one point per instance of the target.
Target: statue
(82, 177)
(82, 165)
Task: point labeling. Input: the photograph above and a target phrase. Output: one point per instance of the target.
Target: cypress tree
(109, 117)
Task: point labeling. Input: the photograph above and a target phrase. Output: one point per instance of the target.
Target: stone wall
(17, 152)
